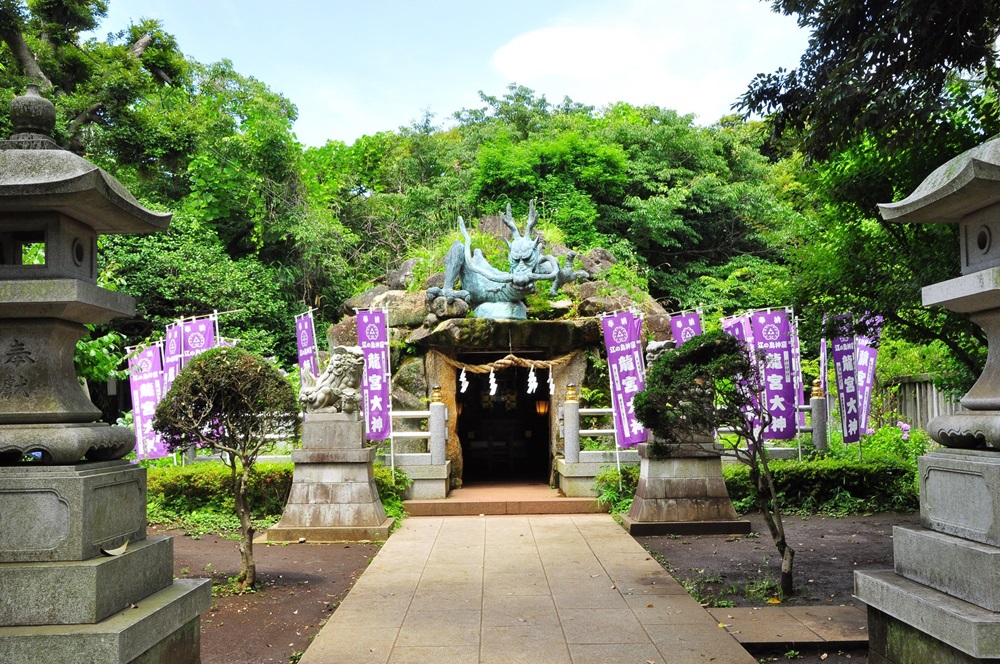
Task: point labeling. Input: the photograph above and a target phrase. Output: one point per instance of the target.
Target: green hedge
(198, 497)
(831, 486)
(206, 485)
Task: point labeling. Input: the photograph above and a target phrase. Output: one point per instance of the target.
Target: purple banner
(737, 326)
(847, 389)
(197, 336)
(373, 337)
(305, 337)
(866, 352)
(685, 326)
(171, 355)
(623, 340)
(773, 337)
(145, 374)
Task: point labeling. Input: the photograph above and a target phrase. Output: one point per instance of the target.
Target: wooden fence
(918, 400)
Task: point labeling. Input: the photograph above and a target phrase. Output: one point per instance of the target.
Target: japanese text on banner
(685, 326)
(305, 338)
(773, 340)
(373, 337)
(145, 372)
(623, 339)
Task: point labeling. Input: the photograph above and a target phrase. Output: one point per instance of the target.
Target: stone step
(503, 499)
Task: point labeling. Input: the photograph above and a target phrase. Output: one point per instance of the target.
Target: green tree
(229, 401)
(709, 383)
(883, 67)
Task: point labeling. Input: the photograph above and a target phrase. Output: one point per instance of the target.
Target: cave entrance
(504, 435)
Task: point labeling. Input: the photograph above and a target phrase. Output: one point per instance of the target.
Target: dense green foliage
(830, 486)
(616, 488)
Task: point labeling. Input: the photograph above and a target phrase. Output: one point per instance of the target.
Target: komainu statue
(493, 293)
(338, 388)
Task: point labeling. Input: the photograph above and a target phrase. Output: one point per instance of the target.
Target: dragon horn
(532, 218)
(508, 221)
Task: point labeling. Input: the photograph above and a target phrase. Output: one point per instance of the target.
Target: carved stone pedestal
(941, 602)
(683, 494)
(333, 496)
(62, 599)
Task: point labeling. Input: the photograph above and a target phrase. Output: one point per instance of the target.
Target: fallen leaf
(773, 600)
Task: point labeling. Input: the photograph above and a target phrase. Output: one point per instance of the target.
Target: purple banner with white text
(373, 337)
(197, 336)
(739, 327)
(623, 340)
(145, 374)
(305, 337)
(844, 367)
(866, 352)
(171, 355)
(685, 326)
(772, 336)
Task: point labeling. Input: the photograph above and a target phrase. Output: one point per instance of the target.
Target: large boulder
(405, 309)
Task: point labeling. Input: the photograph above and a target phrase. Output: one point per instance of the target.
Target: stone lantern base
(63, 598)
(941, 602)
(333, 496)
(683, 494)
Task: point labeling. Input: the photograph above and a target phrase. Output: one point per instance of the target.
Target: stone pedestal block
(164, 628)
(576, 479)
(69, 513)
(88, 591)
(967, 570)
(682, 494)
(333, 495)
(430, 480)
(942, 599)
(957, 494)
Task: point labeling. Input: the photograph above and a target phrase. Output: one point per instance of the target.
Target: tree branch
(19, 48)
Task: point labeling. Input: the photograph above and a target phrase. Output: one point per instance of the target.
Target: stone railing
(578, 468)
(430, 469)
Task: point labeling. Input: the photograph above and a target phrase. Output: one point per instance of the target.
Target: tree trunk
(24, 56)
(248, 568)
(787, 590)
(770, 508)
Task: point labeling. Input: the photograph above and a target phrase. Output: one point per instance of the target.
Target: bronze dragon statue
(493, 293)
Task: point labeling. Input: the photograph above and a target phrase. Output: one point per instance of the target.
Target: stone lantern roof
(37, 175)
(959, 187)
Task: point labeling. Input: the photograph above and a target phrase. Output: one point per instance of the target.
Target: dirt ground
(302, 584)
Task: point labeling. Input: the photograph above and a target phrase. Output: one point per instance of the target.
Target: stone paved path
(552, 589)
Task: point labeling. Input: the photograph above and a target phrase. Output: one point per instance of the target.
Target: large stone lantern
(54, 204)
(941, 602)
(79, 579)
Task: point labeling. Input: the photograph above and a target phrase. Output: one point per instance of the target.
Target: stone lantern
(941, 602)
(55, 204)
(79, 579)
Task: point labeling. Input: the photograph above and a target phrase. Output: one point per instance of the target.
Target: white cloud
(691, 57)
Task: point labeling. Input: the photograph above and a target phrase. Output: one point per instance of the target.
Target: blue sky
(355, 68)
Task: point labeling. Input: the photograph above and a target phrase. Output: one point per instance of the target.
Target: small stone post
(817, 406)
(571, 425)
(438, 426)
